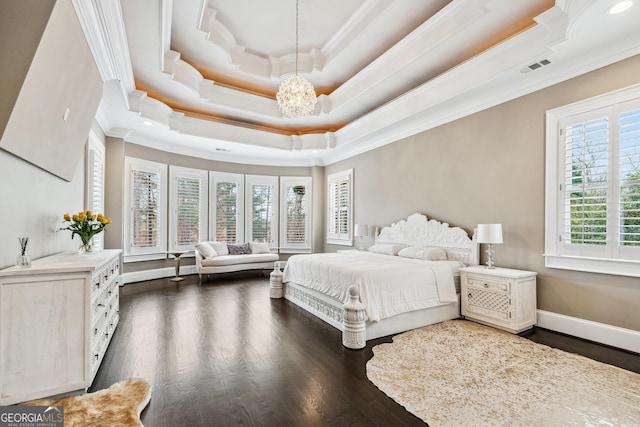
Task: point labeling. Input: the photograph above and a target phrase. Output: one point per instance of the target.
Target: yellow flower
(75, 217)
(67, 217)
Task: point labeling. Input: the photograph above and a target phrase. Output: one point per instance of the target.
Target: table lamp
(490, 234)
(361, 231)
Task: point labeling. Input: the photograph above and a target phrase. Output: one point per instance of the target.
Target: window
(95, 183)
(226, 207)
(146, 208)
(339, 191)
(188, 207)
(593, 185)
(262, 215)
(295, 209)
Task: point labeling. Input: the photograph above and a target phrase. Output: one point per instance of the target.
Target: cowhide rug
(459, 373)
(119, 405)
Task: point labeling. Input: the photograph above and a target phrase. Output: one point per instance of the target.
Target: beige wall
(117, 150)
(490, 167)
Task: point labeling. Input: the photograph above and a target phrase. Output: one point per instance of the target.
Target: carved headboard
(418, 230)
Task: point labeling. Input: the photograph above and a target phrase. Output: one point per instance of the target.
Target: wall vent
(535, 66)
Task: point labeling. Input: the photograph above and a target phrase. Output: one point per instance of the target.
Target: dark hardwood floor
(224, 353)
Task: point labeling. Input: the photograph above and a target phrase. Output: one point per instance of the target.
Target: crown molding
(102, 24)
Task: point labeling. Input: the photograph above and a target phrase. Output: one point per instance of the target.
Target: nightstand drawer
(478, 282)
(488, 303)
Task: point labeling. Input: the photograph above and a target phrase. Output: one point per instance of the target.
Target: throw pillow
(260, 248)
(243, 249)
(220, 248)
(206, 250)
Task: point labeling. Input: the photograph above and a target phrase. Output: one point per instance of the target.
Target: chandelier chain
(296, 97)
(297, 2)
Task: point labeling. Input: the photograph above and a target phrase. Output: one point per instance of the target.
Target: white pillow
(385, 248)
(429, 254)
(206, 250)
(260, 248)
(454, 256)
(220, 248)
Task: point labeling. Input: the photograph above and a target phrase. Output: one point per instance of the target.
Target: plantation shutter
(146, 215)
(601, 182)
(340, 205)
(261, 213)
(188, 207)
(95, 187)
(296, 214)
(586, 181)
(629, 176)
(146, 196)
(227, 207)
(262, 218)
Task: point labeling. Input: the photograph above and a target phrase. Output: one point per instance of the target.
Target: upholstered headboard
(418, 230)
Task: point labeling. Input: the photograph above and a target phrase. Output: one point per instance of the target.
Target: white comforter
(388, 285)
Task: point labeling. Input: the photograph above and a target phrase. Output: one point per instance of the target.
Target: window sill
(594, 265)
(144, 257)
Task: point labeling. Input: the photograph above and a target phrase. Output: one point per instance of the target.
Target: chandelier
(296, 96)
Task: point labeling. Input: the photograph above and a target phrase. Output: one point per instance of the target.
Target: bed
(375, 293)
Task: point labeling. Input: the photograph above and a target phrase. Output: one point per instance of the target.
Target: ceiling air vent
(535, 66)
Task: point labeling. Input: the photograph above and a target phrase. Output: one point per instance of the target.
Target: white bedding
(387, 285)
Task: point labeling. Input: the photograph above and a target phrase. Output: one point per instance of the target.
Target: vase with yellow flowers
(86, 225)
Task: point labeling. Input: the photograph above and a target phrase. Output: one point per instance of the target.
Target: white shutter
(629, 174)
(146, 207)
(188, 222)
(295, 229)
(339, 203)
(146, 211)
(227, 207)
(262, 220)
(593, 223)
(95, 183)
(586, 181)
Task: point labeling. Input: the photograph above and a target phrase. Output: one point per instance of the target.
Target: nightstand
(499, 297)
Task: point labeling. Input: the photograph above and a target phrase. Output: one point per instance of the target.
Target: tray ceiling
(199, 77)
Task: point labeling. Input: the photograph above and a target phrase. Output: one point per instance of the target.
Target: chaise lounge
(220, 257)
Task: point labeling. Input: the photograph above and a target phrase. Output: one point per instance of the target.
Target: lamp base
(490, 263)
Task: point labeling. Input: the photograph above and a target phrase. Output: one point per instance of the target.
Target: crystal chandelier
(296, 96)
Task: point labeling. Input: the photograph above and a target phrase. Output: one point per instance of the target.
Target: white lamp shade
(489, 233)
(362, 230)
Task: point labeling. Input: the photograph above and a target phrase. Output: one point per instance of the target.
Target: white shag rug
(459, 373)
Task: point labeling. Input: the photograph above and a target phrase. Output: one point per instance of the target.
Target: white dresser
(56, 321)
(499, 297)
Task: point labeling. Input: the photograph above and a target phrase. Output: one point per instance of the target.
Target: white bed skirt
(332, 312)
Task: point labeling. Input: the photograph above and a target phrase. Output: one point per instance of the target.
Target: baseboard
(158, 273)
(614, 336)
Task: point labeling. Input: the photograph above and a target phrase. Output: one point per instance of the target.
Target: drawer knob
(469, 295)
(486, 285)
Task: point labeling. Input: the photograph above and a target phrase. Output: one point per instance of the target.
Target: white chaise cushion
(238, 259)
(260, 248)
(220, 248)
(206, 250)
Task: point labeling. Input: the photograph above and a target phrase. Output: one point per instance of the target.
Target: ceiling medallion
(296, 96)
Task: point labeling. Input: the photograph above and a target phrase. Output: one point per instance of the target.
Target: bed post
(275, 282)
(354, 334)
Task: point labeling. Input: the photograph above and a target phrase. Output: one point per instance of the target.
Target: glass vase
(85, 247)
(23, 261)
